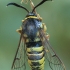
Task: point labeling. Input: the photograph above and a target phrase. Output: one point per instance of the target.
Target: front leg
(45, 31)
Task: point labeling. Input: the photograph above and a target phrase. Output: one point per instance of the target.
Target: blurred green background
(55, 14)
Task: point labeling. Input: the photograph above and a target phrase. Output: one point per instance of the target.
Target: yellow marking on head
(37, 49)
(30, 17)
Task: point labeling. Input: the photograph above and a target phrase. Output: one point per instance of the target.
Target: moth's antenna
(40, 4)
(17, 6)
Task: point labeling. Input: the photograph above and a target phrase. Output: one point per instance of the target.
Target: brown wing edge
(16, 51)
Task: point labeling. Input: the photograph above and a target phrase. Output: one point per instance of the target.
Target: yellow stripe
(40, 54)
(40, 61)
(30, 17)
(37, 49)
(42, 66)
(36, 39)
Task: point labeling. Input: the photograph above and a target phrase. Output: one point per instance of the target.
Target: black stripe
(35, 52)
(37, 57)
(37, 68)
(36, 63)
(34, 44)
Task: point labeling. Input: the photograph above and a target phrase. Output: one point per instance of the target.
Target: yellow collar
(31, 17)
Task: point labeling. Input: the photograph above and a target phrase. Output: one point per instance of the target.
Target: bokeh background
(55, 14)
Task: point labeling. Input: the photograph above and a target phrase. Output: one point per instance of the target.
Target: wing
(19, 60)
(55, 62)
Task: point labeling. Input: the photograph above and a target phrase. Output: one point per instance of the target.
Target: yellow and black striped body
(34, 49)
(35, 53)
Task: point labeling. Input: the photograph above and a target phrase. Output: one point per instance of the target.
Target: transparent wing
(19, 60)
(55, 62)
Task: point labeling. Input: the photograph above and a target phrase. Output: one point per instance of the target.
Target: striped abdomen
(35, 53)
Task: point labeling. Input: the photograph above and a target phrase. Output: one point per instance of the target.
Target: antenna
(40, 4)
(17, 6)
